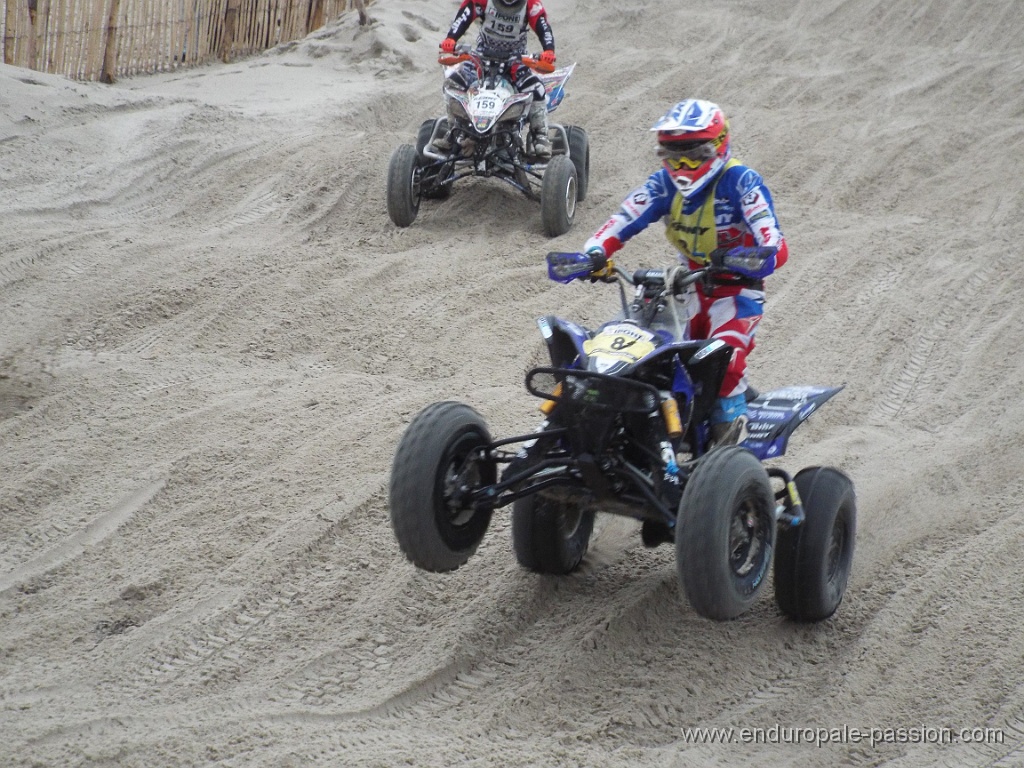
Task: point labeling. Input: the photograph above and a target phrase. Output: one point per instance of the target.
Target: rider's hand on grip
(716, 256)
(548, 57)
(601, 266)
(448, 45)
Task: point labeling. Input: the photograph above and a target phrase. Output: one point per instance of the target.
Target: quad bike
(626, 431)
(489, 138)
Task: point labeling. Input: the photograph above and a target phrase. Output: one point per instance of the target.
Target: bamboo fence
(107, 39)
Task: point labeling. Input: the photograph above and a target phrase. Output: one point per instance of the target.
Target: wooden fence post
(230, 22)
(10, 24)
(32, 42)
(110, 45)
(316, 15)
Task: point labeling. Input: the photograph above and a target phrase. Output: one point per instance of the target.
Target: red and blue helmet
(693, 144)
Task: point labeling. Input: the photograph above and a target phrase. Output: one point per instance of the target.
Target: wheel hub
(746, 540)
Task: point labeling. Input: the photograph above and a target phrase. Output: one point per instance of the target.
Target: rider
(709, 201)
(504, 25)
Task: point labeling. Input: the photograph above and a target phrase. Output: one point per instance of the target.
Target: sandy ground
(212, 337)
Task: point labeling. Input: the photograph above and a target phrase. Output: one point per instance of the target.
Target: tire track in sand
(92, 534)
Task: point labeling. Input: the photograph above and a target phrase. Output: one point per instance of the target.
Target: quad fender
(774, 415)
(698, 369)
(693, 353)
(564, 339)
(554, 85)
(708, 366)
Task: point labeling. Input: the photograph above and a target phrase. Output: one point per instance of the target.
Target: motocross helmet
(510, 5)
(693, 144)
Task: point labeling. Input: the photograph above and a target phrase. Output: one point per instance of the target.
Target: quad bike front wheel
(403, 191)
(558, 194)
(548, 535)
(725, 533)
(812, 564)
(435, 467)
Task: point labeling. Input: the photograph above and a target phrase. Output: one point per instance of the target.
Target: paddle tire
(437, 462)
(725, 533)
(558, 194)
(548, 535)
(813, 560)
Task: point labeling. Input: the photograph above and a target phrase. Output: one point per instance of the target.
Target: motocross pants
(732, 318)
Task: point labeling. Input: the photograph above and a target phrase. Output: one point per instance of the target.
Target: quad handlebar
(654, 285)
(464, 54)
(595, 266)
(655, 278)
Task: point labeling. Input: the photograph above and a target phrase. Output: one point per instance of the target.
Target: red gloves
(448, 45)
(548, 57)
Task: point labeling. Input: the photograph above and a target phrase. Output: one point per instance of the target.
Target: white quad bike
(490, 139)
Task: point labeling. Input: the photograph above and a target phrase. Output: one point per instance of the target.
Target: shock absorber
(670, 413)
(673, 428)
(548, 405)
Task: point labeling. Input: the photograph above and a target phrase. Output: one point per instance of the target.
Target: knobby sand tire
(434, 533)
(722, 561)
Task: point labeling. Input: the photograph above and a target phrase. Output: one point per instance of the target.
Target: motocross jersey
(503, 33)
(736, 210)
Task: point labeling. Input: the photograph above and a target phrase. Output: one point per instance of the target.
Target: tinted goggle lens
(679, 163)
(685, 154)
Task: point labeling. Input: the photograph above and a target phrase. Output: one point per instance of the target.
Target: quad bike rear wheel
(435, 466)
(403, 191)
(579, 152)
(548, 535)
(425, 132)
(812, 564)
(725, 533)
(558, 194)
(429, 189)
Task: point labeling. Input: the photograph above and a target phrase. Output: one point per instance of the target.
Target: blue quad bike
(626, 431)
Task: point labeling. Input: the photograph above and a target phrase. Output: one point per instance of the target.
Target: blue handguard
(754, 261)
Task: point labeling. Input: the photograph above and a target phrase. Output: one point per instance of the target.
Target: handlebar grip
(649, 277)
(684, 279)
(538, 66)
(451, 59)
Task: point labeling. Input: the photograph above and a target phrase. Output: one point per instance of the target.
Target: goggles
(686, 154)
